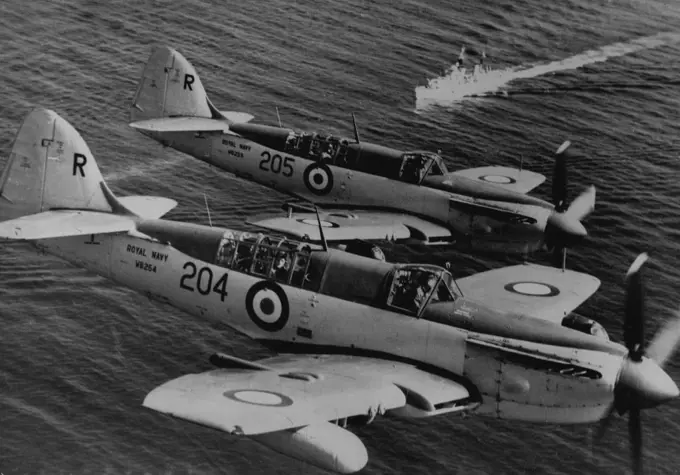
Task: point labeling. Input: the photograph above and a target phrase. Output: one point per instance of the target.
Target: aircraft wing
(511, 178)
(293, 391)
(63, 223)
(343, 226)
(539, 291)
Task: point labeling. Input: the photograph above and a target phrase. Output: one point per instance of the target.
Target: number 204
(204, 280)
(277, 164)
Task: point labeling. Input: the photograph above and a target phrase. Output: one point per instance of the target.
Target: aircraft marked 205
(371, 192)
(359, 337)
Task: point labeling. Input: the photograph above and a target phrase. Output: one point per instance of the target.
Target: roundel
(318, 179)
(258, 397)
(533, 289)
(267, 306)
(498, 179)
(324, 223)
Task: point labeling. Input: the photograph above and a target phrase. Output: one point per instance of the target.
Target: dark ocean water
(78, 354)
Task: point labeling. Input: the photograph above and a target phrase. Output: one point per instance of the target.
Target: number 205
(277, 164)
(204, 281)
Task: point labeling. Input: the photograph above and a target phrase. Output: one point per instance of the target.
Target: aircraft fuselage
(333, 186)
(511, 378)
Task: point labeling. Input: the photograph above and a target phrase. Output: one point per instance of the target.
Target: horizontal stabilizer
(148, 207)
(521, 181)
(181, 124)
(538, 291)
(237, 117)
(64, 223)
(345, 226)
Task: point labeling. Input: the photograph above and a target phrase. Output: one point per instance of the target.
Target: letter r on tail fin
(170, 87)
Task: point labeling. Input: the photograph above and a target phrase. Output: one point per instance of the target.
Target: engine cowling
(324, 445)
(585, 325)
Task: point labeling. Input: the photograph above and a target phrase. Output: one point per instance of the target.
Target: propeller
(564, 227)
(642, 382)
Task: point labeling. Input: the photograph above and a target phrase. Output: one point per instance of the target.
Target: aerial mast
(356, 130)
(321, 235)
(278, 116)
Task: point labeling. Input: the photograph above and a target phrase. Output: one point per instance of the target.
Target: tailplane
(52, 186)
(170, 97)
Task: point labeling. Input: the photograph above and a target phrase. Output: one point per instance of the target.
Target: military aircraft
(359, 337)
(369, 192)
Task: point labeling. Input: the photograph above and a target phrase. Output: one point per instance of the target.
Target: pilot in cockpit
(427, 282)
(327, 155)
(413, 169)
(281, 266)
(225, 250)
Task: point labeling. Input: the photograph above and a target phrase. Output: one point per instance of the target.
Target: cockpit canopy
(416, 166)
(265, 256)
(414, 286)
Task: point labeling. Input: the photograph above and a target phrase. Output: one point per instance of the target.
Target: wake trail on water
(449, 89)
(143, 169)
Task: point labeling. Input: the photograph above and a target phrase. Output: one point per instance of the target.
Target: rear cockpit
(317, 147)
(260, 255)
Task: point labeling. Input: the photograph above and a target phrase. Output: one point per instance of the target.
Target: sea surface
(78, 354)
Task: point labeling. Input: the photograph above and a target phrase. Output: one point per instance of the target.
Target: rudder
(170, 87)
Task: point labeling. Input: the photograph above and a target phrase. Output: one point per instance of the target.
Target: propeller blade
(604, 424)
(665, 342)
(559, 189)
(558, 256)
(635, 434)
(634, 325)
(583, 205)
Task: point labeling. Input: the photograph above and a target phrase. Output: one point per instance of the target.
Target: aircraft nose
(650, 384)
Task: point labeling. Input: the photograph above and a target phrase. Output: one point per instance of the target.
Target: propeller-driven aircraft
(358, 337)
(369, 192)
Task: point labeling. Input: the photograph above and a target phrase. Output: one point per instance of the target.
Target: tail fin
(170, 87)
(51, 167)
(171, 98)
(52, 186)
